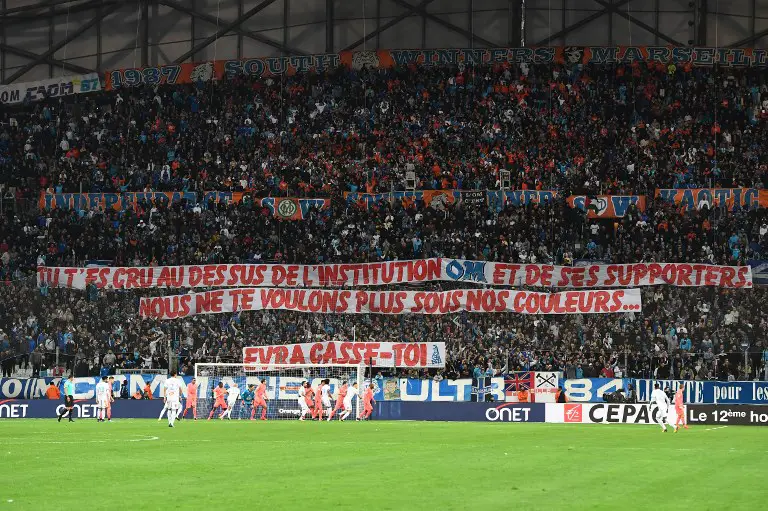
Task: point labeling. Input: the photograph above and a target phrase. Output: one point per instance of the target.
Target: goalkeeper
(247, 395)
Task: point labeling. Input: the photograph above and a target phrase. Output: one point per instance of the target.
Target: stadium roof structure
(41, 39)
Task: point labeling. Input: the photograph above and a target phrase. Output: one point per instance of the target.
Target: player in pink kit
(260, 401)
(111, 383)
(317, 411)
(191, 399)
(367, 403)
(220, 403)
(679, 410)
(340, 399)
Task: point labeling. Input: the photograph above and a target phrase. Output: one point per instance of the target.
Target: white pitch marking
(144, 439)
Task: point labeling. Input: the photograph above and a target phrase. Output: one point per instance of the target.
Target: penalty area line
(24, 441)
(100, 441)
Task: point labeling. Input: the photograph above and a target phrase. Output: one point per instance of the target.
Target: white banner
(332, 301)
(397, 272)
(379, 354)
(542, 386)
(606, 413)
(51, 88)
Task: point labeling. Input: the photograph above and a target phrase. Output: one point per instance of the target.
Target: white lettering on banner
(692, 417)
(504, 413)
(50, 88)
(12, 388)
(398, 272)
(380, 354)
(453, 387)
(13, 411)
(580, 390)
(759, 392)
(727, 392)
(693, 390)
(84, 411)
(325, 301)
(22, 388)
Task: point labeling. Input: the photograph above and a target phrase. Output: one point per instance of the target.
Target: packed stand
(594, 129)
(582, 129)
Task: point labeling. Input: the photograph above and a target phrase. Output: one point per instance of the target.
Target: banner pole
(370, 369)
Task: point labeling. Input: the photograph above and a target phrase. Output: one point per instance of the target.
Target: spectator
(52, 392)
(36, 359)
(587, 130)
(109, 360)
(124, 392)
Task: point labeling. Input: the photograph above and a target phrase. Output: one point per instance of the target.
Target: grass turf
(143, 464)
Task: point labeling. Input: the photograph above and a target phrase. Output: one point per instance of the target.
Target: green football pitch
(143, 464)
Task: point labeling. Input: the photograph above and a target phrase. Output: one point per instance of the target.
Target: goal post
(283, 382)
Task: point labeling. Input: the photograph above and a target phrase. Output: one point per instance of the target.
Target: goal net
(283, 383)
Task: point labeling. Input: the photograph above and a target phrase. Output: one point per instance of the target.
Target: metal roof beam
(450, 26)
(33, 7)
(236, 29)
(62, 11)
(101, 14)
(749, 40)
(225, 29)
(409, 10)
(53, 62)
(589, 19)
(329, 26)
(639, 23)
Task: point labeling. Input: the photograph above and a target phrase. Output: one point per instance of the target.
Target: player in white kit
(302, 399)
(102, 399)
(351, 393)
(325, 393)
(660, 399)
(232, 397)
(172, 398)
(166, 409)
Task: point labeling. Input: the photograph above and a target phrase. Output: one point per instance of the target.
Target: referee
(69, 398)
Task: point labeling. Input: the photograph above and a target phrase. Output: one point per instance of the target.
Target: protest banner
(397, 272)
(326, 301)
(378, 354)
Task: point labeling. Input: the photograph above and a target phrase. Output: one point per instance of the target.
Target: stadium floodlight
(283, 389)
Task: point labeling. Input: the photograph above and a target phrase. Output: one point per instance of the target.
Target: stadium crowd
(619, 129)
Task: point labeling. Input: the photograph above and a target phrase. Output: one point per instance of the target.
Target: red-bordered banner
(332, 301)
(397, 272)
(353, 353)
